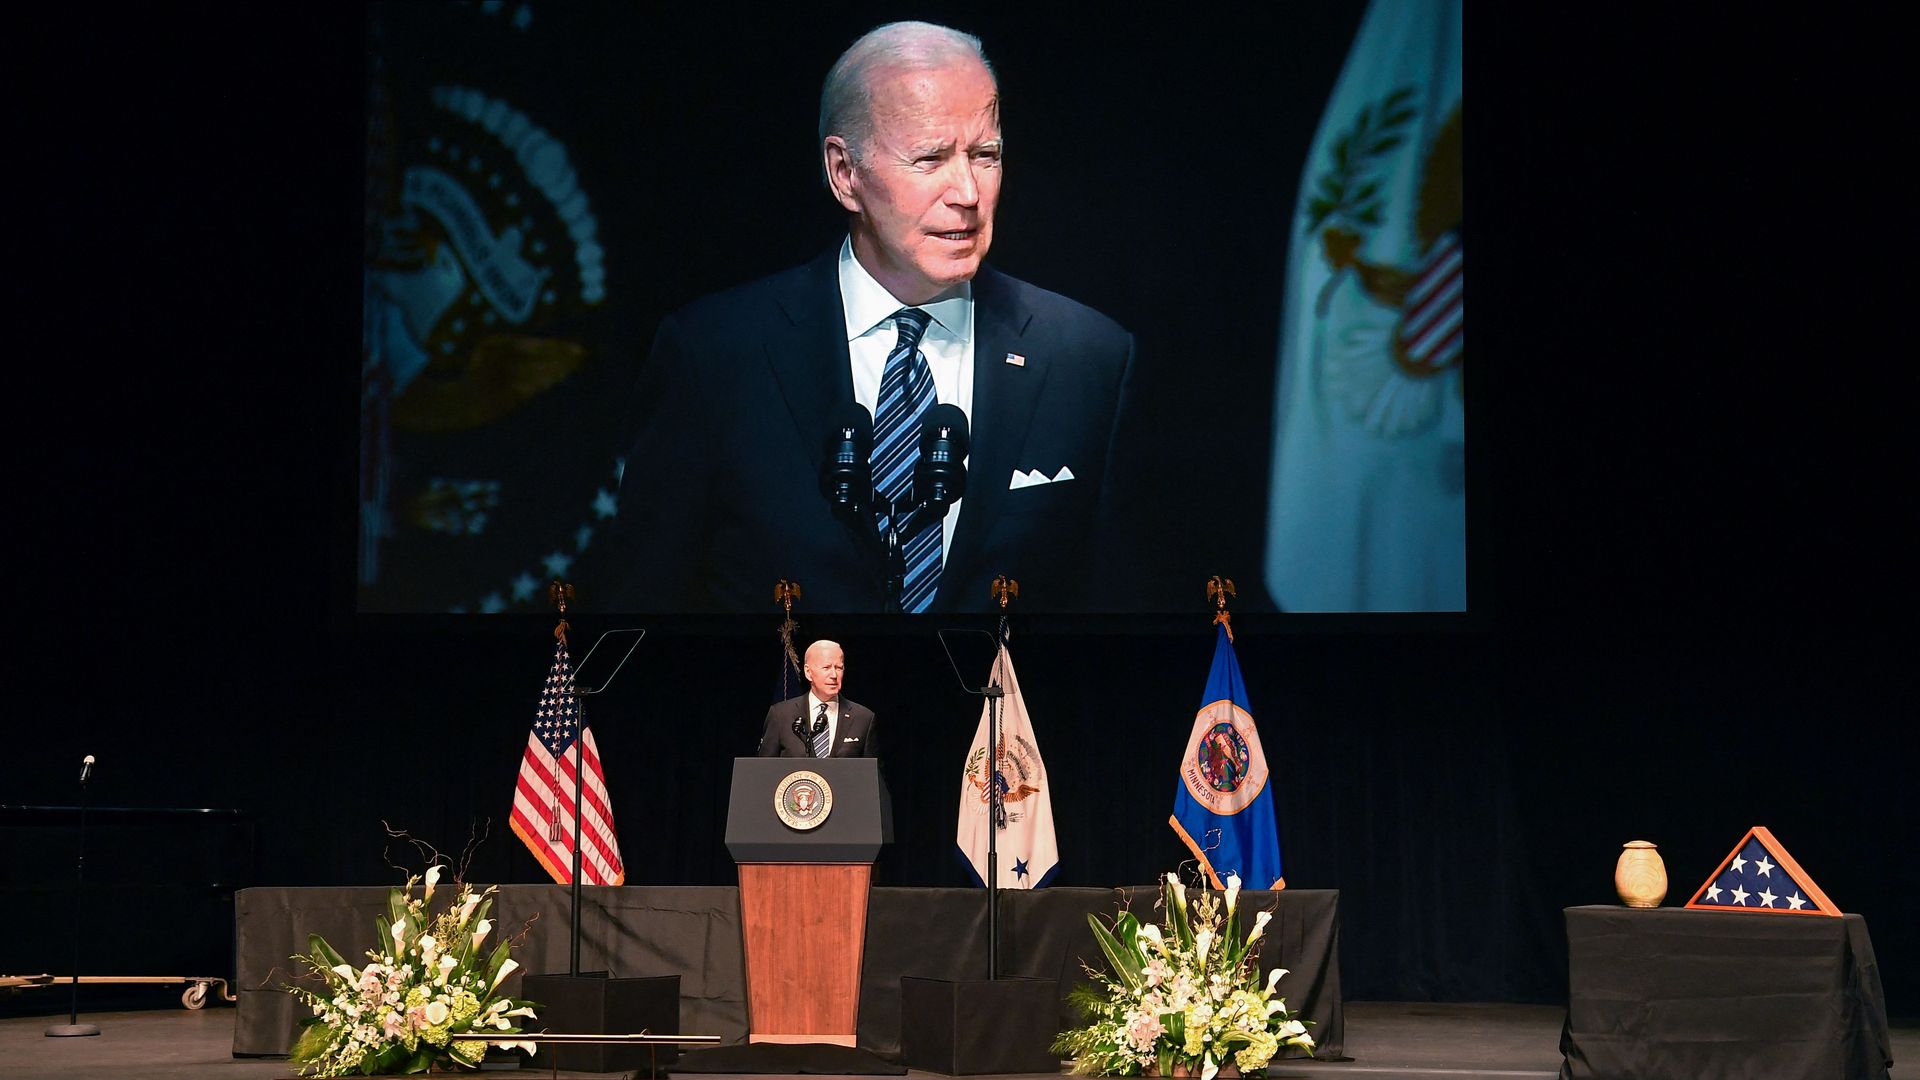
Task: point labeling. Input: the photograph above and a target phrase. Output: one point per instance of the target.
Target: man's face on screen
(924, 190)
(825, 666)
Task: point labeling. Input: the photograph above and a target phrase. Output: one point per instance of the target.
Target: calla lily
(466, 909)
(1201, 941)
(1260, 922)
(506, 969)
(1179, 890)
(447, 964)
(345, 971)
(437, 1013)
(399, 930)
(1273, 978)
(433, 878)
(530, 1048)
(481, 930)
(428, 946)
(1211, 1070)
(1152, 933)
(521, 1011)
(1233, 891)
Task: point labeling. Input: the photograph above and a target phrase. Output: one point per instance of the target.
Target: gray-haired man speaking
(721, 495)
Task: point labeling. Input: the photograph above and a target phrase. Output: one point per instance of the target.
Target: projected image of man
(745, 390)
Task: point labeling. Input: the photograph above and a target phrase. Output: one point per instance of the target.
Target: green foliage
(1346, 193)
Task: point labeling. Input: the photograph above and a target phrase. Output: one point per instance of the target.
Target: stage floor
(1387, 1039)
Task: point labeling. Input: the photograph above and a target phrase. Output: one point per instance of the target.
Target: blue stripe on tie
(906, 392)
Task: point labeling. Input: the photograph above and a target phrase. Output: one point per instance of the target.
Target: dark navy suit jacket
(852, 736)
(720, 497)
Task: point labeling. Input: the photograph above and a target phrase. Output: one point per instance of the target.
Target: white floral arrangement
(1183, 999)
(426, 999)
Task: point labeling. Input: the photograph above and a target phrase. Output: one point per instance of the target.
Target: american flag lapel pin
(1016, 359)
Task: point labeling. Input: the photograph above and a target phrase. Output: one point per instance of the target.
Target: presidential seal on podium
(802, 799)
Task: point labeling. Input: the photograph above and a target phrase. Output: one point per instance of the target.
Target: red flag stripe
(595, 812)
(1446, 292)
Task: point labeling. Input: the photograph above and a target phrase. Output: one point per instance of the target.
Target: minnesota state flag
(1222, 806)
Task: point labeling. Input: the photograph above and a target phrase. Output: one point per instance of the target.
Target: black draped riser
(695, 933)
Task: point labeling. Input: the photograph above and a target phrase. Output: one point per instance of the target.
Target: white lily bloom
(466, 909)
(530, 1048)
(447, 964)
(345, 971)
(1273, 978)
(1200, 942)
(1291, 1028)
(502, 1023)
(1212, 1068)
(500, 976)
(1260, 922)
(437, 1013)
(521, 1011)
(1152, 933)
(1179, 890)
(399, 931)
(428, 946)
(433, 878)
(1233, 891)
(481, 930)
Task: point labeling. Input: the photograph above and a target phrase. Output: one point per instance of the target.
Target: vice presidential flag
(543, 797)
(1223, 805)
(1368, 505)
(1027, 853)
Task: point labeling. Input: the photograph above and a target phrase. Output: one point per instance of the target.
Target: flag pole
(1220, 590)
(559, 593)
(785, 593)
(1003, 589)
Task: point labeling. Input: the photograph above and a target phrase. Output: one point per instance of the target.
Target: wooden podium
(804, 832)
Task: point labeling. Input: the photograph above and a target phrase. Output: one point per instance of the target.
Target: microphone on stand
(940, 477)
(846, 471)
(73, 1026)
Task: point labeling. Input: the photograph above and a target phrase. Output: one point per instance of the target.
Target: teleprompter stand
(595, 1002)
(999, 1024)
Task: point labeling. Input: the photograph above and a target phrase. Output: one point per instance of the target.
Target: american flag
(543, 798)
(1761, 876)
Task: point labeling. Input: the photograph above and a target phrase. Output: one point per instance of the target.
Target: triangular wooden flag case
(1759, 876)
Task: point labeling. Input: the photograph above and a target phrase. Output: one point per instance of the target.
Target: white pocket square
(1029, 479)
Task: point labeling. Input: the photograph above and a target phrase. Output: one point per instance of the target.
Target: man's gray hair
(846, 101)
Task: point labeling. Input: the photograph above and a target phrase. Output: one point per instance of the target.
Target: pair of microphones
(939, 478)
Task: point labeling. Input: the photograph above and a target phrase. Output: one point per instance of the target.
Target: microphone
(846, 472)
(86, 770)
(940, 478)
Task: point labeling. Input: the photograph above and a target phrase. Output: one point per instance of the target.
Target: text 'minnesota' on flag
(543, 795)
(1223, 802)
(1027, 852)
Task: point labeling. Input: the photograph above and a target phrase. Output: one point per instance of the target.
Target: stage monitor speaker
(969, 1027)
(594, 1003)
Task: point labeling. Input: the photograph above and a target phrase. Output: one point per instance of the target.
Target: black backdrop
(1691, 518)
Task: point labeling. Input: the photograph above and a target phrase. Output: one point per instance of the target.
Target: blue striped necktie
(906, 392)
(822, 739)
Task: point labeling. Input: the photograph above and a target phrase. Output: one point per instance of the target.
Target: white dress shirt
(947, 344)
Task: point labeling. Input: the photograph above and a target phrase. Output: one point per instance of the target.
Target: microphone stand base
(65, 1031)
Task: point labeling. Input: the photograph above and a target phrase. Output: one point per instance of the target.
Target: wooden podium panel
(805, 927)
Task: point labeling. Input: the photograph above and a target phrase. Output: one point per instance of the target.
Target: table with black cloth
(694, 932)
(1698, 995)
